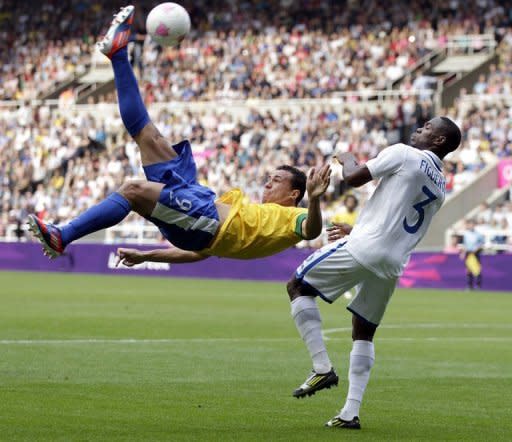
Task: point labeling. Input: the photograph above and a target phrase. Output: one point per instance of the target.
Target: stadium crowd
(493, 222)
(486, 121)
(57, 162)
(241, 49)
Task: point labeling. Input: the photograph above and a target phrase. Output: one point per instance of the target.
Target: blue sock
(108, 213)
(131, 106)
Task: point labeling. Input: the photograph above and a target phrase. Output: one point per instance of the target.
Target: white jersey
(410, 192)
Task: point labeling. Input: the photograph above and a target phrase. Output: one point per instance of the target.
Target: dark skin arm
(354, 174)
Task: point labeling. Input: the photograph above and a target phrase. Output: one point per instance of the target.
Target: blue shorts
(185, 213)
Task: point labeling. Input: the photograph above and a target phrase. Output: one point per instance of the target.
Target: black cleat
(338, 422)
(316, 382)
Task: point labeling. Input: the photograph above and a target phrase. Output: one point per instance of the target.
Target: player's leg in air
(164, 165)
(327, 274)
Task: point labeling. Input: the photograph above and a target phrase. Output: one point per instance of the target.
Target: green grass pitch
(127, 358)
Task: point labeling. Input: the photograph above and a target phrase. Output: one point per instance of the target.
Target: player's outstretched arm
(354, 174)
(316, 185)
(173, 255)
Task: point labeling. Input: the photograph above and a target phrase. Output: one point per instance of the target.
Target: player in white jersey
(372, 257)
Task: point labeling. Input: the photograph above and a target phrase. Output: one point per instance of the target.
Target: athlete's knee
(296, 288)
(132, 190)
(363, 335)
(362, 330)
(293, 288)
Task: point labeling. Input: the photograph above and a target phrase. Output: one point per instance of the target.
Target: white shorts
(332, 270)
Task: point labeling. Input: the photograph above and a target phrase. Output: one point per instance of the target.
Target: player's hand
(338, 231)
(318, 181)
(129, 257)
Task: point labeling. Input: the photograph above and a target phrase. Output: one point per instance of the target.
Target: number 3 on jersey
(421, 212)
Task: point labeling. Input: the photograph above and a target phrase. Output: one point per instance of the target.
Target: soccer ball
(168, 24)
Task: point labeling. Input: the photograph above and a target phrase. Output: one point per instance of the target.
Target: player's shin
(131, 106)
(307, 318)
(362, 358)
(107, 213)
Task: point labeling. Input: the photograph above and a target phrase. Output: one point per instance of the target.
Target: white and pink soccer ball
(168, 24)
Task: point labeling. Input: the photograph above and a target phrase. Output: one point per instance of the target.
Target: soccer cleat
(118, 35)
(315, 382)
(48, 235)
(338, 422)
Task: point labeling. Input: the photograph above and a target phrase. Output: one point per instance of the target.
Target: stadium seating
(57, 162)
(80, 167)
(494, 222)
(266, 57)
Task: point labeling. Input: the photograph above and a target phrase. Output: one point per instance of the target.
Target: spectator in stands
(473, 244)
(500, 236)
(454, 247)
(484, 213)
(348, 213)
(480, 85)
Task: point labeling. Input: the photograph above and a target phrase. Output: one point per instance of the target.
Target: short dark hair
(298, 180)
(452, 133)
(351, 195)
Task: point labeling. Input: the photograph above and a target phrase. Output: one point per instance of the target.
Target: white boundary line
(135, 341)
(58, 342)
(327, 336)
(435, 325)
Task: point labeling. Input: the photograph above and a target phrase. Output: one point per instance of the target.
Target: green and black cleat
(338, 422)
(316, 382)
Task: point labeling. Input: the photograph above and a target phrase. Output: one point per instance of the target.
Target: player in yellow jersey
(188, 214)
(250, 230)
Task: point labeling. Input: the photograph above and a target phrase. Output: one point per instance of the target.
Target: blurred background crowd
(57, 161)
(242, 49)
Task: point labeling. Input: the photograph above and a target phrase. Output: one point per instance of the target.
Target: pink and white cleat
(118, 35)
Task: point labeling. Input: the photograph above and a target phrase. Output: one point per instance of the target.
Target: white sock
(362, 358)
(307, 318)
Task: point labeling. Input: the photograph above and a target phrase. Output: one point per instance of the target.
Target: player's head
(285, 186)
(440, 134)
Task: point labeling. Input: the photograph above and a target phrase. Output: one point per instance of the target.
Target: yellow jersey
(255, 230)
(345, 217)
